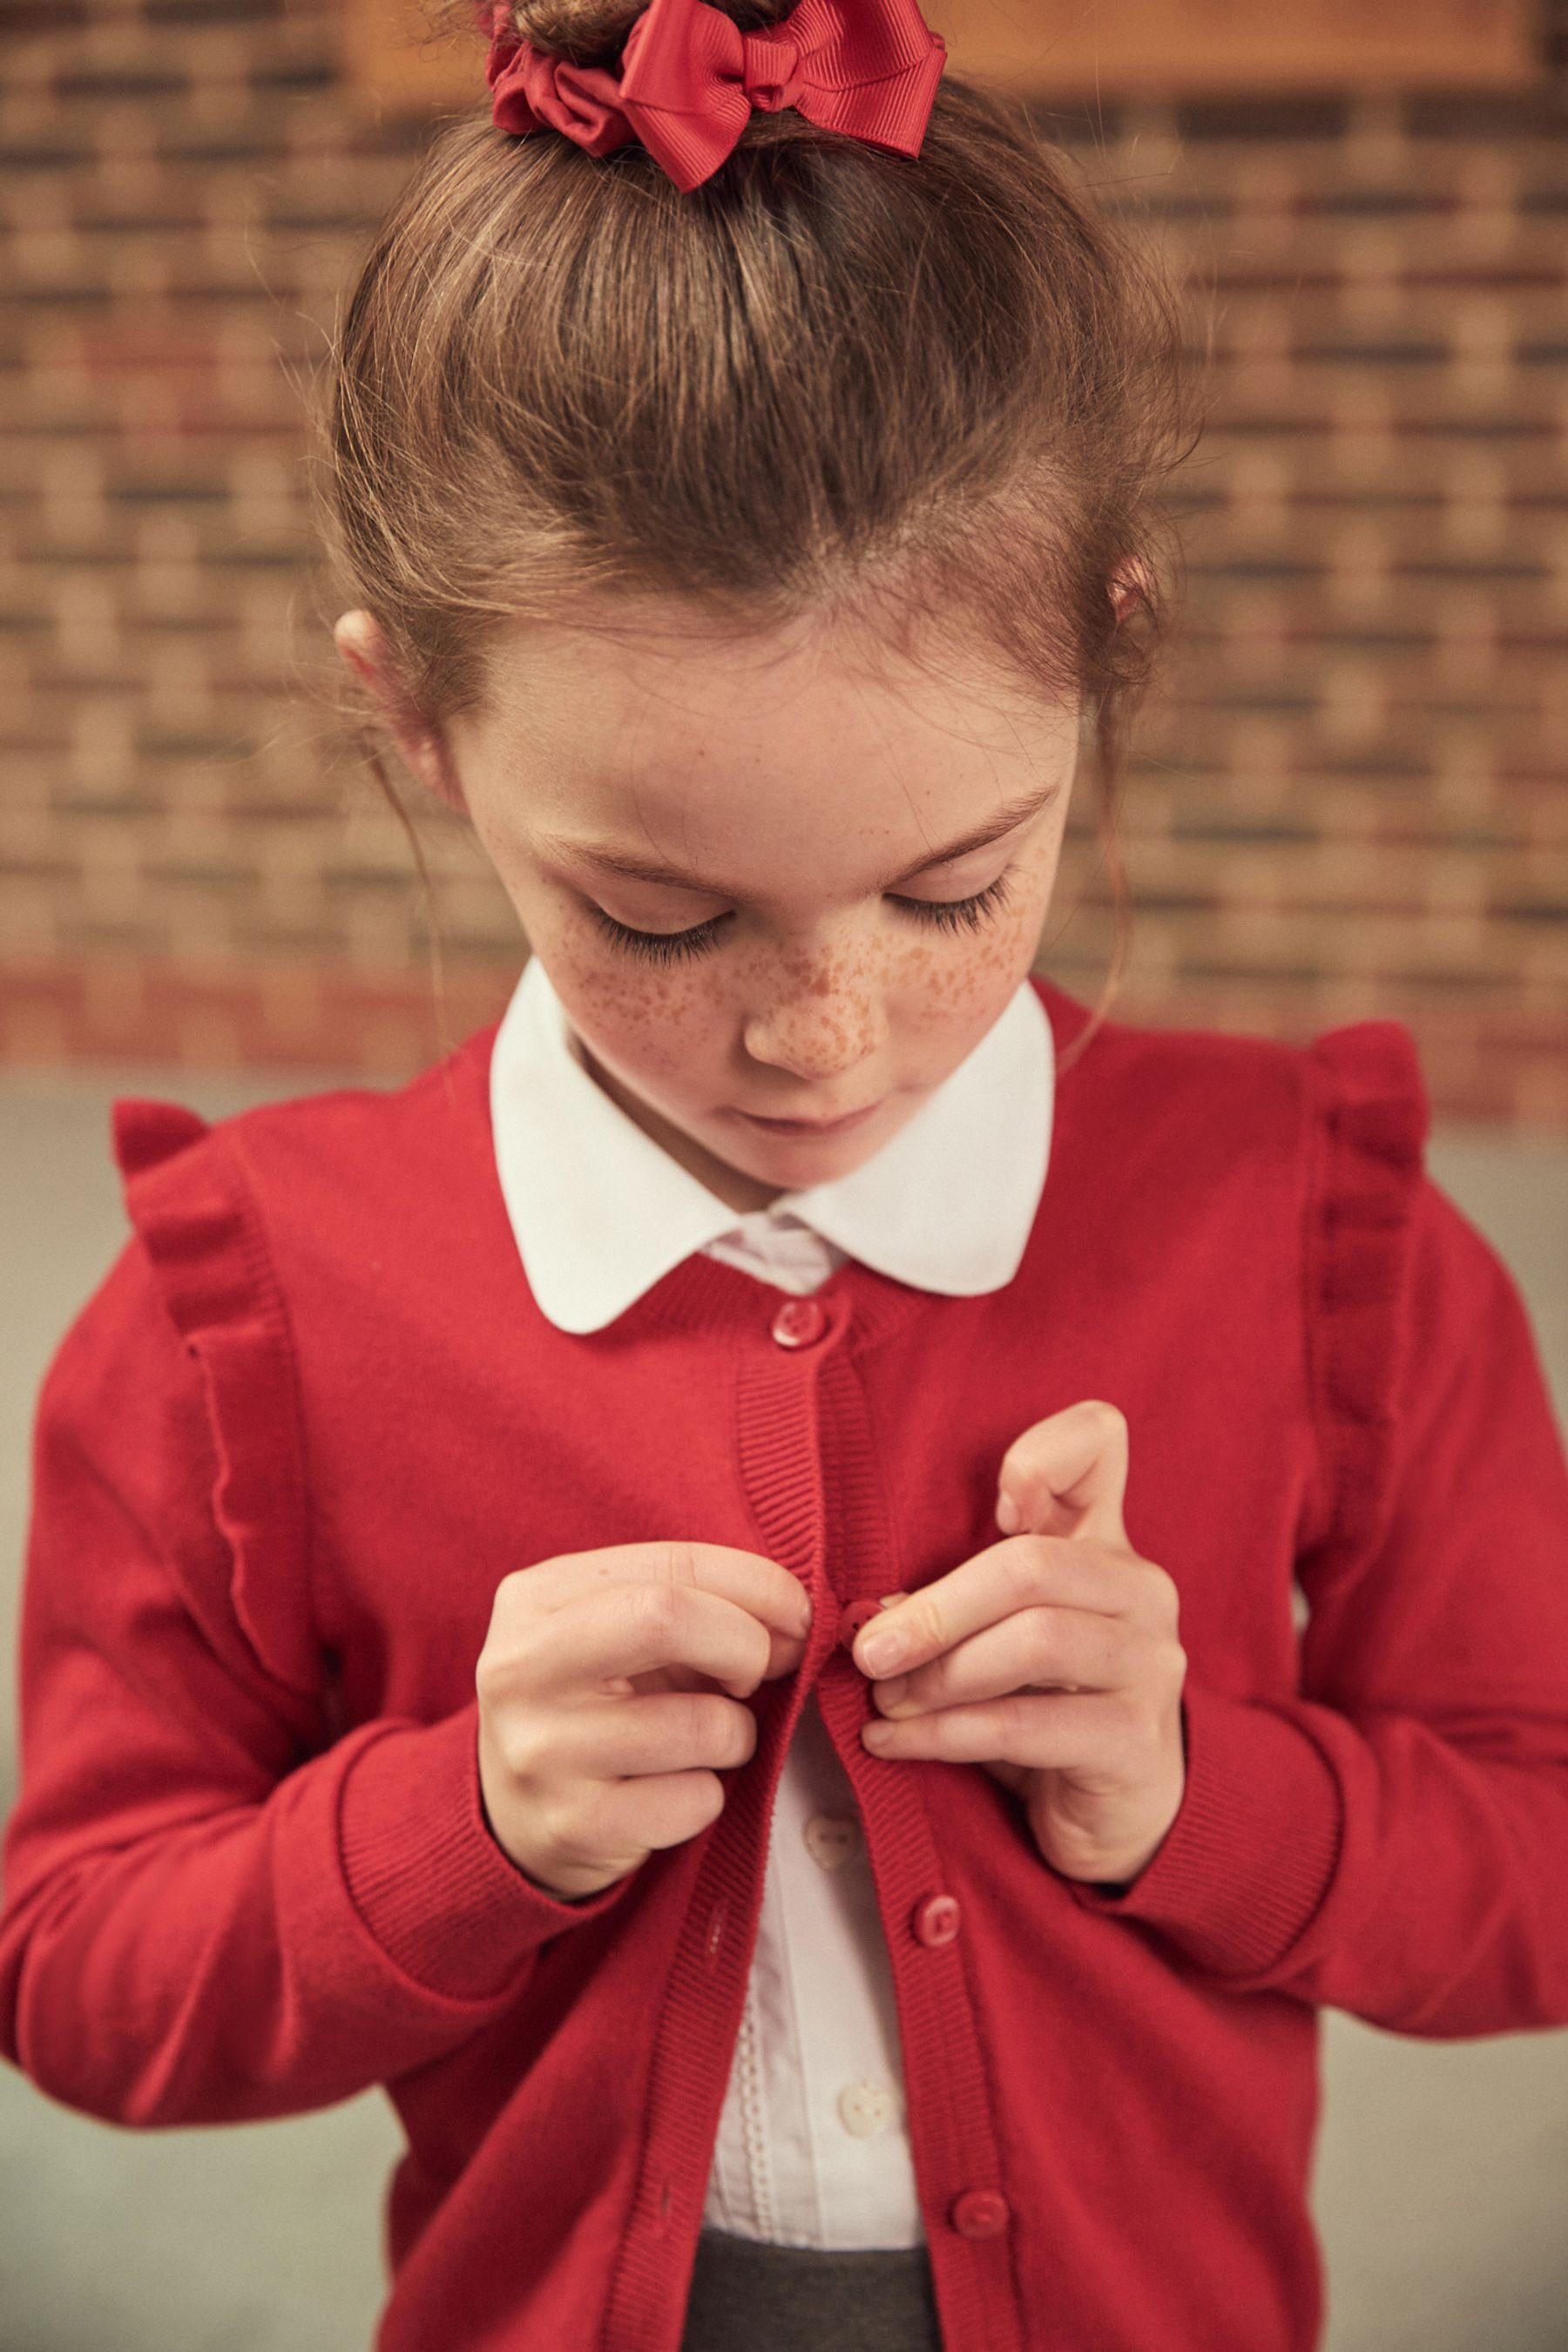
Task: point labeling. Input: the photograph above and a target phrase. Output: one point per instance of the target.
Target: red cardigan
(312, 1417)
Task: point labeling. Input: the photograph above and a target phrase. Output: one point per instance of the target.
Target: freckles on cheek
(968, 978)
(655, 1019)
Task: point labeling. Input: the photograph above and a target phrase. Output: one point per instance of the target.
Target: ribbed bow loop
(689, 79)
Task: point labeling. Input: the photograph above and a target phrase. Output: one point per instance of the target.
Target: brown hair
(828, 379)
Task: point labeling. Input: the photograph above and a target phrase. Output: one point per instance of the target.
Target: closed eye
(671, 946)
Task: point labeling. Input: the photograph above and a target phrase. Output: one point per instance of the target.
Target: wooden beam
(1074, 48)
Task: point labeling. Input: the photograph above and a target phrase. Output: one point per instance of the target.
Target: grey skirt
(748, 2296)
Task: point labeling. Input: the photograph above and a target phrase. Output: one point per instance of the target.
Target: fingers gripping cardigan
(310, 1420)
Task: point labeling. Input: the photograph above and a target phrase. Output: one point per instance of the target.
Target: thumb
(1066, 1475)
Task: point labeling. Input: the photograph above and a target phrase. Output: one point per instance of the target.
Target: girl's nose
(818, 1035)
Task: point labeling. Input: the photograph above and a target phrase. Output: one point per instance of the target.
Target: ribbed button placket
(781, 1470)
(948, 2098)
(802, 1424)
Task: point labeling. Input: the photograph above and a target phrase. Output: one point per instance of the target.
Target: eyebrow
(643, 869)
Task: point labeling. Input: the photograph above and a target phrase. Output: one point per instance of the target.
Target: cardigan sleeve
(215, 1911)
(1391, 1839)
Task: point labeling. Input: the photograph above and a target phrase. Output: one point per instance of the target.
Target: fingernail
(1007, 1514)
(879, 1650)
(890, 1599)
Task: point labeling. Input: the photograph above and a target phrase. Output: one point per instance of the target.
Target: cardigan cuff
(1250, 1854)
(433, 1884)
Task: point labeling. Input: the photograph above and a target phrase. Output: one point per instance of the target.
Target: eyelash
(674, 947)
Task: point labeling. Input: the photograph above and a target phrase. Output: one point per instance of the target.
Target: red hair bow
(690, 78)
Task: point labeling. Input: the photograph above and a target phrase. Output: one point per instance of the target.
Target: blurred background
(1348, 801)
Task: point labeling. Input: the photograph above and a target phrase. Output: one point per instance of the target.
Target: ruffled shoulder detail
(1371, 1120)
(189, 1202)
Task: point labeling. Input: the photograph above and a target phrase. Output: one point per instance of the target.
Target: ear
(1130, 587)
(359, 640)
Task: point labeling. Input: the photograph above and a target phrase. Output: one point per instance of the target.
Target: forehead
(697, 745)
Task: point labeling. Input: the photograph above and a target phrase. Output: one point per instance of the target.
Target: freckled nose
(818, 1034)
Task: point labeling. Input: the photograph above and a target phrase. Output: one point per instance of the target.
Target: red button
(852, 1616)
(936, 1920)
(980, 2214)
(799, 1321)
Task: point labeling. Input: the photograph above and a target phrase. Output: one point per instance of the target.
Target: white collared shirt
(812, 2149)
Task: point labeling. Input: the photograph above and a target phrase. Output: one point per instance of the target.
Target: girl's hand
(1051, 1658)
(604, 1722)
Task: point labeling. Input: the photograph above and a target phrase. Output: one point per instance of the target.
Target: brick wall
(1350, 795)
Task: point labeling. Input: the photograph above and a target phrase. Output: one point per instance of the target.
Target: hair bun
(593, 32)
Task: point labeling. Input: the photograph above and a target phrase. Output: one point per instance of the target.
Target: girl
(706, 1590)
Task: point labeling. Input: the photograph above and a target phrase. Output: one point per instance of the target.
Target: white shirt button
(831, 1841)
(867, 2108)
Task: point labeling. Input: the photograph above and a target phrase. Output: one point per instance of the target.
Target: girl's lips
(811, 1125)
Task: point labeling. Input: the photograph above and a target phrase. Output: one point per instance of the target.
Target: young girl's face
(737, 861)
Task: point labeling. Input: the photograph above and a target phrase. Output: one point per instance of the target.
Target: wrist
(1091, 1861)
